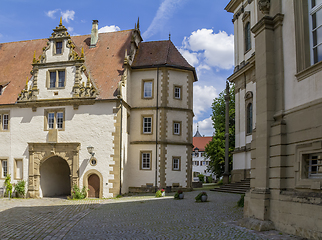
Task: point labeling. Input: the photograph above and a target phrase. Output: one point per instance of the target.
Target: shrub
(201, 178)
(20, 188)
(220, 182)
(158, 193)
(79, 194)
(8, 185)
(198, 197)
(240, 202)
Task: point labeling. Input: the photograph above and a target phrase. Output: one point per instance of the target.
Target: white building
(129, 100)
(199, 162)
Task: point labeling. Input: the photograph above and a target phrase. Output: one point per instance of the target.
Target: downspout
(156, 133)
(121, 102)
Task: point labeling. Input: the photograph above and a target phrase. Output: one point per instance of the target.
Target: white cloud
(70, 29)
(191, 57)
(215, 49)
(203, 97)
(205, 127)
(165, 12)
(68, 15)
(111, 28)
(51, 13)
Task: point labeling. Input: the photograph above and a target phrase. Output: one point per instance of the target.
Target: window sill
(56, 88)
(309, 71)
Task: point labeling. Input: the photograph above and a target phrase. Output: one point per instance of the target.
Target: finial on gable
(82, 53)
(138, 24)
(60, 22)
(34, 58)
(26, 87)
(169, 36)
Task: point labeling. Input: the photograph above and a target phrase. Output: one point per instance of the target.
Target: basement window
(313, 165)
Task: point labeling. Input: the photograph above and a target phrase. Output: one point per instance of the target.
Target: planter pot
(181, 196)
(163, 194)
(204, 198)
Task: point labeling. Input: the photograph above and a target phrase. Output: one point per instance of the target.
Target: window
(146, 163)
(197, 163)
(314, 165)
(57, 79)
(196, 154)
(177, 92)
(249, 119)
(177, 128)
(54, 119)
(18, 169)
(1, 87)
(4, 122)
(4, 168)
(248, 43)
(59, 47)
(147, 89)
(176, 163)
(315, 21)
(147, 124)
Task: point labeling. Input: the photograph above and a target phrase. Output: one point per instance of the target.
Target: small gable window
(59, 47)
(57, 79)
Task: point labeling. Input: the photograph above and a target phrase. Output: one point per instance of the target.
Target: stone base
(239, 174)
(255, 224)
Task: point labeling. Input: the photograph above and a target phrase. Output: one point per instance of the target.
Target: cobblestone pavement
(140, 217)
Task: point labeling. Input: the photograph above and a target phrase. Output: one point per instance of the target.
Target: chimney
(94, 33)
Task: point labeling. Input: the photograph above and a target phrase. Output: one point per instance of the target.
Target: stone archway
(92, 176)
(54, 177)
(40, 152)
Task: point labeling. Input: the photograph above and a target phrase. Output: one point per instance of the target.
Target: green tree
(215, 150)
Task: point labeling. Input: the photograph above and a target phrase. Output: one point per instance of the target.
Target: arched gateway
(43, 156)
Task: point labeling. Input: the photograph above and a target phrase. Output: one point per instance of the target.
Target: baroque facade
(106, 111)
(278, 110)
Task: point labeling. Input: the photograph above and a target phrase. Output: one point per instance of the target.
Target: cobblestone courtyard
(140, 217)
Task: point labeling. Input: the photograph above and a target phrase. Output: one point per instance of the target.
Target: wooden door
(93, 186)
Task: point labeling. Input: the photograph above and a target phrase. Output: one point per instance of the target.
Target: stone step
(238, 187)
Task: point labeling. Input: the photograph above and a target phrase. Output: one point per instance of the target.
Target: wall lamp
(90, 150)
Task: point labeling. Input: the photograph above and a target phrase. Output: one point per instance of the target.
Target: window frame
(15, 168)
(2, 119)
(312, 11)
(179, 163)
(55, 111)
(4, 159)
(150, 160)
(55, 48)
(180, 128)
(308, 158)
(142, 124)
(180, 92)
(249, 118)
(247, 37)
(56, 71)
(143, 88)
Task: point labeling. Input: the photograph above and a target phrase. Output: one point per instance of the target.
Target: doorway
(93, 186)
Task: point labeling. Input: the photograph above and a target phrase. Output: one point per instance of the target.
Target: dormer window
(56, 79)
(59, 47)
(1, 89)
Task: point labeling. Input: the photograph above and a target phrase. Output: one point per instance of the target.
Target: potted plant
(201, 197)
(179, 195)
(160, 193)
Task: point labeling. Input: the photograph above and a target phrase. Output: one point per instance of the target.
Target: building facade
(278, 110)
(199, 162)
(106, 111)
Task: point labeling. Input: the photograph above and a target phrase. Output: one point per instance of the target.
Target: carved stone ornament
(264, 6)
(60, 31)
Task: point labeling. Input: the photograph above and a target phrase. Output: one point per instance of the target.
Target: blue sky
(202, 31)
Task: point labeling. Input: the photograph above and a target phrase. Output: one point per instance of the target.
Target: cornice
(232, 5)
(249, 64)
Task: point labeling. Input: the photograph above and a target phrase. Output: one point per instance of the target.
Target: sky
(201, 30)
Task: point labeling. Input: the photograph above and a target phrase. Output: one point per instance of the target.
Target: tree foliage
(215, 150)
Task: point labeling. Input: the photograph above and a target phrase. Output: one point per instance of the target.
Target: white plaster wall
(51, 57)
(237, 119)
(176, 176)
(307, 90)
(179, 116)
(239, 160)
(199, 168)
(178, 78)
(48, 93)
(89, 125)
(135, 176)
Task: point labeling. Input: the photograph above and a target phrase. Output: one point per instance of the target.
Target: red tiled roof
(104, 62)
(201, 142)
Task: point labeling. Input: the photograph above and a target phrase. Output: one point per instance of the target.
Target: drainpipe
(156, 134)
